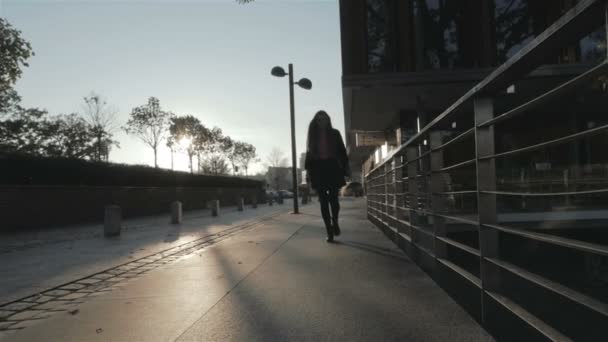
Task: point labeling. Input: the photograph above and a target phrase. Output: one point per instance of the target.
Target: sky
(207, 58)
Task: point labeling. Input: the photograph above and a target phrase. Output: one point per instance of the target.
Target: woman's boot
(336, 227)
(330, 232)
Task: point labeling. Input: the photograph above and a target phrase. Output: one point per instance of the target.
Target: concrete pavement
(276, 280)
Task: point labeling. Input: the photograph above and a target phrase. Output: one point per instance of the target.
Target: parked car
(285, 193)
(271, 195)
(352, 189)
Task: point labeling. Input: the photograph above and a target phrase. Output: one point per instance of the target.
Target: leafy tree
(14, 53)
(23, 132)
(171, 144)
(215, 164)
(149, 123)
(188, 134)
(232, 153)
(102, 119)
(69, 136)
(32, 131)
(213, 146)
(242, 155)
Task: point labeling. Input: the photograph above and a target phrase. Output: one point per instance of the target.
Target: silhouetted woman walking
(326, 166)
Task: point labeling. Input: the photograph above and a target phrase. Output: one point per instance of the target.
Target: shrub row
(30, 170)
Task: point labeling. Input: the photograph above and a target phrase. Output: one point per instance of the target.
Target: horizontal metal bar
(459, 245)
(451, 167)
(568, 86)
(554, 240)
(456, 218)
(447, 193)
(404, 208)
(422, 230)
(552, 286)
(394, 218)
(546, 194)
(534, 322)
(405, 236)
(426, 174)
(424, 249)
(589, 132)
(455, 140)
(462, 272)
(377, 185)
(425, 154)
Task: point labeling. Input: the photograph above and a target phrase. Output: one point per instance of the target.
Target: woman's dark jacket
(328, 173)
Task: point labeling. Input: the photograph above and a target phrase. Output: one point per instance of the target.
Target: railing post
(412, 174)
(437, 187)
(486, 202)
(398, 199)
(385, 193)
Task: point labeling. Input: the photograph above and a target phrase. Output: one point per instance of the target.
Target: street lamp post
(304, 83)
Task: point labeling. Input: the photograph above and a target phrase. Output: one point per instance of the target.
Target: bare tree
(276, 158)
(102, 118)
(149, 123)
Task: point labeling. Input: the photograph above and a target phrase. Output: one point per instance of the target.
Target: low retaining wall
(27, 207)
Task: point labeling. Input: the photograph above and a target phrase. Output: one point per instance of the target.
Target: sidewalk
(37, 260)
(275, 281)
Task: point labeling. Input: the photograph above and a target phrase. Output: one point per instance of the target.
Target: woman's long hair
(312, 143)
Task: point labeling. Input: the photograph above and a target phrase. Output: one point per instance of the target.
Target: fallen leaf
(73, 312)
(99, 330)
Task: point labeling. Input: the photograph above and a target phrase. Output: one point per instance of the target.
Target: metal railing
(511, 244)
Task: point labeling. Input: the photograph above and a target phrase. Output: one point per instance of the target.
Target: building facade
(480, 130)
(406, 61)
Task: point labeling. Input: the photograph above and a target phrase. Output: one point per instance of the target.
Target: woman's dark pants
(329, 197)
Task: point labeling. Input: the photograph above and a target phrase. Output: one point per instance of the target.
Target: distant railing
(509, 211)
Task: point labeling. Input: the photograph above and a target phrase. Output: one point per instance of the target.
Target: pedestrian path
(275, 280)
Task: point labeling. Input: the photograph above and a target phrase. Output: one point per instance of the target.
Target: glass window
(447, 34)
(519, 21)
(593, 46)
(380, 36)
(514, 27)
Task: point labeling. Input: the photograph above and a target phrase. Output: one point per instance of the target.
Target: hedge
(31, 170)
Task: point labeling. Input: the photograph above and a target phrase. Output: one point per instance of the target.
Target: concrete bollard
(112, 221)
(240, 203)
(176, 212)
(280, 199)
(215, 208)
(254, 202)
